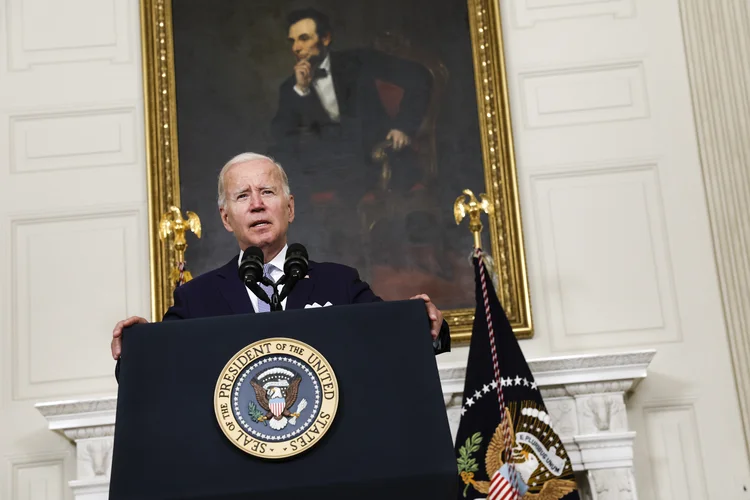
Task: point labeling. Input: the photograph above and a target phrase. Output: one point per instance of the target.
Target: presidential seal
(276, 398)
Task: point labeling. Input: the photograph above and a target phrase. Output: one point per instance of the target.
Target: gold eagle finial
(473, 208)
(173, 224)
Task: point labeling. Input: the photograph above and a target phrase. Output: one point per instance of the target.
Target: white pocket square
(315, 304)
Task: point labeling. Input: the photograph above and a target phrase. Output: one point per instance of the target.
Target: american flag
(501, 489)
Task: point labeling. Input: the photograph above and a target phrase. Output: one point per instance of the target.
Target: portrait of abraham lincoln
(371, 109)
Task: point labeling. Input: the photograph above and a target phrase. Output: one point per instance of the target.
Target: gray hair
(243, 158)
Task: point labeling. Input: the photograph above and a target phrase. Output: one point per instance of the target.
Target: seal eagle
(277, 403)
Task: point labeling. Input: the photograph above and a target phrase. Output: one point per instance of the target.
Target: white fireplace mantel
(585, 395)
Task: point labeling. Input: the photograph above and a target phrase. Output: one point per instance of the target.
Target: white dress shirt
(325, 90)
(276, 273)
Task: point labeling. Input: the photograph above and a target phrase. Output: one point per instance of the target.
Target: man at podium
(256, 205)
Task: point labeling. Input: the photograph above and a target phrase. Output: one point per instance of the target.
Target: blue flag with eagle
(506, 446)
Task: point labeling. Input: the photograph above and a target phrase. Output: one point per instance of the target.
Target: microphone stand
(275, 300)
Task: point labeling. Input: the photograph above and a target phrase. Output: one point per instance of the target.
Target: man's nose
(256, 203)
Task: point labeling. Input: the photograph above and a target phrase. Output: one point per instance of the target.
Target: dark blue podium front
(390, 438)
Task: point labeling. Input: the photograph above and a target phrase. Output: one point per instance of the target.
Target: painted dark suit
(322, 154)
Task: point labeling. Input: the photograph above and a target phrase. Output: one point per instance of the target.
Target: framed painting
(406, 106)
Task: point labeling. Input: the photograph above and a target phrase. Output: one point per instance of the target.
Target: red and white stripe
(501, 489)
(508, 445)
(277, 406)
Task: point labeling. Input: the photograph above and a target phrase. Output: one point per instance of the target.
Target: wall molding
(25, 384)
(48, 467)
(528, 13)
(110, 139)
(717, 42)
(578, 95)
(606, 175)
(26, 50)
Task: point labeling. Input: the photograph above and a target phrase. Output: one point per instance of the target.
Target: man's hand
(117, 333)
(303, 73)
(399, 140)
(436, 317)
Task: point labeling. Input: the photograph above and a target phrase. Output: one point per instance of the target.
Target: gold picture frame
(504, 222)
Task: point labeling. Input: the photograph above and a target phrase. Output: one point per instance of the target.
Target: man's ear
(326, 39)
(291, 208)
(225, 219)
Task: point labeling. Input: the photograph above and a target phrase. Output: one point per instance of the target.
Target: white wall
(618, 243)
(73, 218)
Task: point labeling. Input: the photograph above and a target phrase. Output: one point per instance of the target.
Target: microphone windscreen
(296, 249)
(254, 253)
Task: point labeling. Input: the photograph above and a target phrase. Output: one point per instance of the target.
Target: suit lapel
(233, 289)
(302, 291)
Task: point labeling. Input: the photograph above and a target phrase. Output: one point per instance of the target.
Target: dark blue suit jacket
(221, 292)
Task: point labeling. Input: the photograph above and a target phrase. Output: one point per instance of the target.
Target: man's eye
(241, 196)
(267, 191)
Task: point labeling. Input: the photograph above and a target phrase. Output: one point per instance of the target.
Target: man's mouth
(260, 224)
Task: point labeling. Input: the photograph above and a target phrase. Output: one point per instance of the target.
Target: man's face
(305, 41)
(256, 209)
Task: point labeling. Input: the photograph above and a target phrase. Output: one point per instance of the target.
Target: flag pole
(474, 208)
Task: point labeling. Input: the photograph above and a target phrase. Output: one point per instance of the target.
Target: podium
(389, 438)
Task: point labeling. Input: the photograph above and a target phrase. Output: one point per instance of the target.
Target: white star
(477, 394)
(533, 385)
(525, 383)
(463, 411)
(486, 389)
(469, 402)
(509, 381)
(494, 384)
(518, 380)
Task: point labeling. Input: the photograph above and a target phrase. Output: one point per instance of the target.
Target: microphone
(251, 266)
(251, 272)
(296, 263)
(295, 267)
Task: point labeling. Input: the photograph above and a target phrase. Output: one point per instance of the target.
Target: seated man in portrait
(256, 205)
(331, 117)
